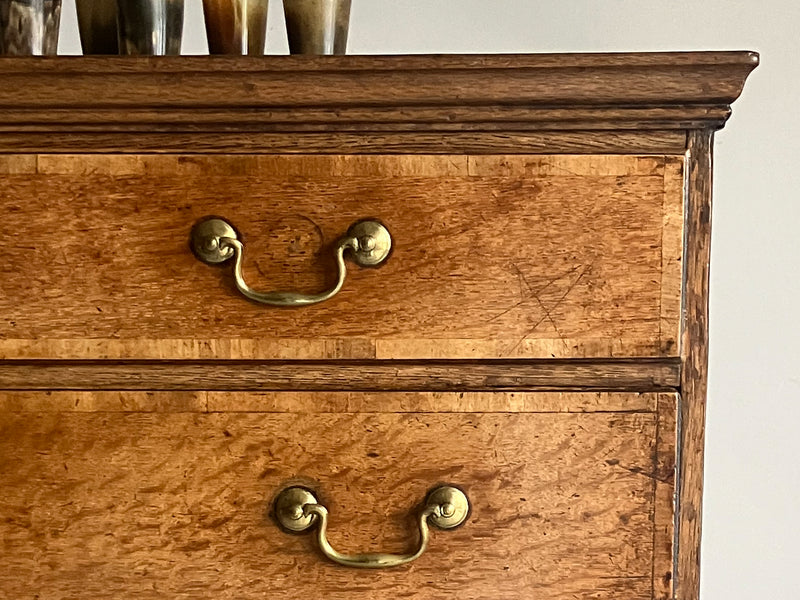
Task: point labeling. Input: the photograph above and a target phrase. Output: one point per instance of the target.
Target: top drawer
(493, 257)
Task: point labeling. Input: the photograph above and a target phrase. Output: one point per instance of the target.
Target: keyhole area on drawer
(289, 253)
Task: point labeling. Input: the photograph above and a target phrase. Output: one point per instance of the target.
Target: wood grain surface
(494, 257)
(694, 378)
(664, 513)
(546, 215)
(327, 402)
(375, 375)
(144, 505)
(627, 103)
(191, 142)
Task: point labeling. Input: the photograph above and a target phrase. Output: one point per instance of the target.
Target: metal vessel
(317, 26)
(150, 27)
(29, 27)
(97, 23)
(236, 26)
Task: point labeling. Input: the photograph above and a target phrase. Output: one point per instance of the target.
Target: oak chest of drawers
(524, 366)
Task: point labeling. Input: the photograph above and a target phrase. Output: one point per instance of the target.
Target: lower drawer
(170, 495)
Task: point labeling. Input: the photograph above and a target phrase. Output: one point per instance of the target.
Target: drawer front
(493, 257)
(153, 495)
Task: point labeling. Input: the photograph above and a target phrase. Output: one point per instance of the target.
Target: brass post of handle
(215, 241)
(297, 510)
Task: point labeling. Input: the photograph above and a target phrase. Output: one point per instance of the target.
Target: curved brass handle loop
(297, 510)
(215, 241)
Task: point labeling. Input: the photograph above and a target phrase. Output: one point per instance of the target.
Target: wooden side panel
(144, 505)
(495, 257)
(694, 374)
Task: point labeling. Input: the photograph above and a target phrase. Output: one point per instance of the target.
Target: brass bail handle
(298, 510)
(215, 241)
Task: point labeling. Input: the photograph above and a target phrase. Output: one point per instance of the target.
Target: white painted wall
(751, 547)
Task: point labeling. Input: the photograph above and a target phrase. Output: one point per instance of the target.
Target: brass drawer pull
(297, 510)
(215, 241)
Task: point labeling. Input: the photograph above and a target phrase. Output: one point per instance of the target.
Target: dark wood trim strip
(369, 81)
(644, 375)
(354, 63)
(694, 375)
(365, 119)
(423, 142)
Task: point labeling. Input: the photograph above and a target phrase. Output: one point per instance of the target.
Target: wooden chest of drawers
(534, 342)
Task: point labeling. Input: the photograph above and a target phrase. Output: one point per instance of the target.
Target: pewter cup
(97, 22)
(317, 26)
(150, 27)
(236, 26)
(29, 27)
